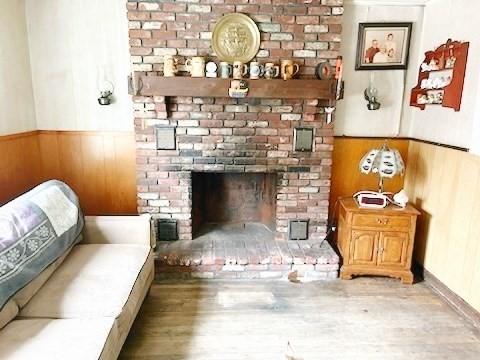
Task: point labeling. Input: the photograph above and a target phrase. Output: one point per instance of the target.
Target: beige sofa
(83, 305)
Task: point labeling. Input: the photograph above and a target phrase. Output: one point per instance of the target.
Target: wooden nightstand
(376, 241)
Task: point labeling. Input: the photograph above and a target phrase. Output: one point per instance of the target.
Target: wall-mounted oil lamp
(106, 93)
(371, 95)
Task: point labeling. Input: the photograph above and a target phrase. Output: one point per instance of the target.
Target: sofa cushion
(35, 230)
(8, 313)
(94, 281)
(23, 296)
(55, 339)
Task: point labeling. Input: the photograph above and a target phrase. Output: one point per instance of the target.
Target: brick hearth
(245, 253)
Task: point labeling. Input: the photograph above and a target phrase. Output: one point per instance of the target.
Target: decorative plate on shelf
(236, 38)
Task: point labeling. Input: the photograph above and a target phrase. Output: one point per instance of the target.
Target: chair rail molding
(388, 2)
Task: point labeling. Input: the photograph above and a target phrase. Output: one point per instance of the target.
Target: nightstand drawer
(381, 221)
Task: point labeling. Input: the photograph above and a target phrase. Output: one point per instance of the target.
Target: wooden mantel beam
(209, 87)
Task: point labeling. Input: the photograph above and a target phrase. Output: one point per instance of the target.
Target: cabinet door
(363, 247)
(392, 249)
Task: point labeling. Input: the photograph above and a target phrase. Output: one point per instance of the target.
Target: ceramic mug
(239, 70)
(289, 69)
(271, 71)
(225, 70)
(170, 66)
(196, 66)
(256, 70)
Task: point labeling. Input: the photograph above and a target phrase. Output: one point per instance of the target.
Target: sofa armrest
(118, 230)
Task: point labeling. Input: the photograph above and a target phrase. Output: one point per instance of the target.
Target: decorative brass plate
(236, 38)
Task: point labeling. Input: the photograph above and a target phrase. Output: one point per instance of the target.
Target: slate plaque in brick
(298, 230)
(167, 230)
(165, 137)
(303, 138)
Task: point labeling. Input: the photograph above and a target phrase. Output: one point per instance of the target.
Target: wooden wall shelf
(209, 87)
(452, 93)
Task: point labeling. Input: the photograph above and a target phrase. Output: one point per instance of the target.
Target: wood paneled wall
(99, 166)
(20, 165)
(346, 177)
(445, 185)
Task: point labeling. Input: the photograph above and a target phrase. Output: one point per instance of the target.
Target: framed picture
(383, 46)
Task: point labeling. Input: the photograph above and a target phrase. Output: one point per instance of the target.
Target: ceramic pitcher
(196, 66)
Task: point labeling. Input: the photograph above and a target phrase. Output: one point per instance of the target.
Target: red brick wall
(223, 134)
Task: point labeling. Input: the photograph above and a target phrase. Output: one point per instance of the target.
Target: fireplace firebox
(233, 198)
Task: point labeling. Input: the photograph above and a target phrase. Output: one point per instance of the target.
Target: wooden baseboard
(452, 299)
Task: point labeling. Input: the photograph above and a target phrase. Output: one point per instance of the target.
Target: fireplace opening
(232, 199)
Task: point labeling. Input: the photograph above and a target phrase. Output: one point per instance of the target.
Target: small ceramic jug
(225, 70)
(288, 69)
(170, 66)
(196, 66)
(256, 70)
(239, 70)
(271, 71)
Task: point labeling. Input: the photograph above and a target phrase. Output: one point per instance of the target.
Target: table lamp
(384, 162)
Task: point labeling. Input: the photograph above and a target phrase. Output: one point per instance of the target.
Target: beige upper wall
(17, 113)
(455, 19)
(73, 45)
(353, 118)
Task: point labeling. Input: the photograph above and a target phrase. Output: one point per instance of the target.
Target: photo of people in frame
(383, 46)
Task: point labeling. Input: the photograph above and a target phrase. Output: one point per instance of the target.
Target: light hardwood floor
(367, 318)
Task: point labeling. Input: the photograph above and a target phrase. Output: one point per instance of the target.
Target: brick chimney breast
(227, 135)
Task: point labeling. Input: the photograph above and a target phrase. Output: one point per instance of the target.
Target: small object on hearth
(211, 68)
(293, 276)
(329, 111)
(289, 69)
(238, 89)
(324, 71)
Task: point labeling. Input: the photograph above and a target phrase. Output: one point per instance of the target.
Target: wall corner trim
(420, 3)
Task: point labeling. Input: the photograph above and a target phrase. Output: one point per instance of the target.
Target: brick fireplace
(232, 138)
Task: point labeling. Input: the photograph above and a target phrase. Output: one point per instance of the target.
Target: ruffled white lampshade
(384, 162)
